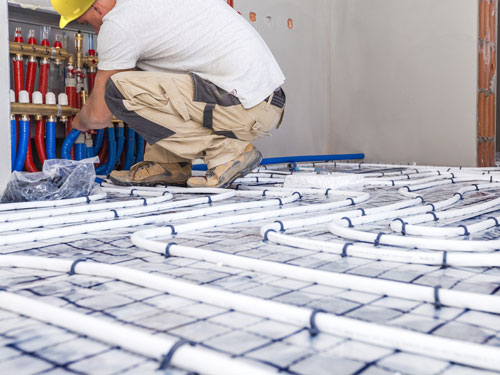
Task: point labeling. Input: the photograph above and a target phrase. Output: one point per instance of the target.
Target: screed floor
(31, 346)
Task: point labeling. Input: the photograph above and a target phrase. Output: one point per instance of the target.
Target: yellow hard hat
(70, 10)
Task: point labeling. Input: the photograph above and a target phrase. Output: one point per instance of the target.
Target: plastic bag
(60, 179)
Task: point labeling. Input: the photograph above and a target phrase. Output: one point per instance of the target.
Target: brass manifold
(57, 54)
(28, 109)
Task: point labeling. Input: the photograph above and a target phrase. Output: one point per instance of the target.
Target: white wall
(395, 79)
(4, 99)
(404, 80)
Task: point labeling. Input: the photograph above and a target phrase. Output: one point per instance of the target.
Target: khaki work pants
(180, 119)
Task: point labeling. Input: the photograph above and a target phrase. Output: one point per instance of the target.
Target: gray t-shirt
(205, 37)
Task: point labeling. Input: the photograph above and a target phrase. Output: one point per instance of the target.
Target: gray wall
(396, 79)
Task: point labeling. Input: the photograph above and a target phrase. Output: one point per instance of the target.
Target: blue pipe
(50, 139)
(298, 159)
(24, 138)
(80, 151)
(98, 141)
(89, 152)
(120, 136)
(139, 154)
(13, 142)
(108, 167)
(129, 154)
(68, 144)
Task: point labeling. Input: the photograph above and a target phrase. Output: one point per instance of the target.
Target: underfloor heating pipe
(122, 223)
(394, 338)
(6, 207)
(144, 239)
(132, 339)
(139, 149)
(68, 143)
(7, 217)
(389, 254)
(165, 218)
(130, 149)
(24, 139)
(144, 209)
(362, 164)
(414, 242)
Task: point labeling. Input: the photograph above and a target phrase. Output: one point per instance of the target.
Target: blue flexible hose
(80, 151)
(129, 155)
(68, 144)
(139, 154)
(90, 152)
(13, 142)
(98, 141)
(50, 140)
(120, 136)
(24, 138)
(108, 167)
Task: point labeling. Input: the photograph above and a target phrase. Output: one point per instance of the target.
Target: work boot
(223, 175)
(150, 173)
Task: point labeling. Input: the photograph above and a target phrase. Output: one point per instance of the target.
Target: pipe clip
(72, 271)
(167, 358)
(313, 328)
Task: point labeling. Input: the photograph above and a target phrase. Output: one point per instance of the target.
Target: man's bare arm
(95, 114)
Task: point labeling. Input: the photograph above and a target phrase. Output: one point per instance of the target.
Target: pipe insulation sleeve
(50, 140)
(22, 149)
(13, 143)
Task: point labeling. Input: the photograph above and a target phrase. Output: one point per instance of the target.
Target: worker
(192, 77)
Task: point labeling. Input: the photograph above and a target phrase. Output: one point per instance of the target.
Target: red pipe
(43, 84)
(18, 76)
(71, 92)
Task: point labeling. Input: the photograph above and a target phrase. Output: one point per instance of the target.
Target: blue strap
(445, 260)
(497, 224)
(172, 228)
(116, 214)
(437, 301)
(282, 226)
(344, 249)
(352, 201)
(434, 215)
(266, 238)
(349, 221)
(300, 195)
(313, 328)
(167, 249)
(73, 266)
(328, 191)
(466, 231)
(363, 212)
(377, 240)
(403, 226)
(167, 358)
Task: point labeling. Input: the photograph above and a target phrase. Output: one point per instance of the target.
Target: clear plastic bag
(60, 179)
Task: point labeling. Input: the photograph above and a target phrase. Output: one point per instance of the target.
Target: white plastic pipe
(197, 359)
(413, 342)
(58, 203)
(453, 298)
